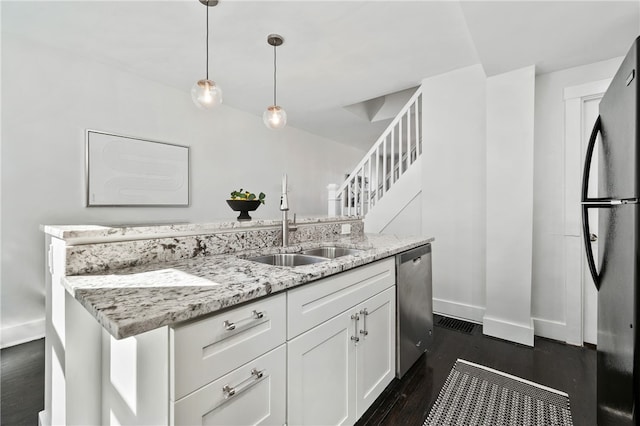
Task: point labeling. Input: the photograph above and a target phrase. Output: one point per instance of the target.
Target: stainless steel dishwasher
(414, 306)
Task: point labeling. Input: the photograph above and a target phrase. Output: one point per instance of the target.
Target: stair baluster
(369, 181)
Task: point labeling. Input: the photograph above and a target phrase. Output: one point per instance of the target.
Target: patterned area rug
(477, 395)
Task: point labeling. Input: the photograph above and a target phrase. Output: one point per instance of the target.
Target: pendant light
(275, 117)
(206, 94)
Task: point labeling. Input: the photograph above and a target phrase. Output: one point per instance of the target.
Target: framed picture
(129, 171)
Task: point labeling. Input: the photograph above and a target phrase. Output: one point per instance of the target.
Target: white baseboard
(21, 333)
(541, 327)
(550, 329)
(458, 310)
(518, 333)
(43, 419)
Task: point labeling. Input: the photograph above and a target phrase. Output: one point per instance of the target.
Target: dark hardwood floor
(404, 402)
(22, 383)
(563, 367)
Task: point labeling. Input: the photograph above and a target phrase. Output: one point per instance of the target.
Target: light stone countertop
(84, 234)
(138, 299)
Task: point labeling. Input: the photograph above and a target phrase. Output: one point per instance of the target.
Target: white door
(322, 374)
(376, 365)
(580, 114)
(589, 292)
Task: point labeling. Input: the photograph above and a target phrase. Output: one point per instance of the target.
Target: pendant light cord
(274, 76)
(207, 41)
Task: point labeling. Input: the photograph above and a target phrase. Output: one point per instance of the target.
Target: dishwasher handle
(414, 254)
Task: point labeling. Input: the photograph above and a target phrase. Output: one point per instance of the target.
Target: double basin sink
(306, 257)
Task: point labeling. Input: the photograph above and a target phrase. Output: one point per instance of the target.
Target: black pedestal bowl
(244, 207)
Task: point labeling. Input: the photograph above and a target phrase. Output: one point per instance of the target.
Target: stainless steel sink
(288, 259)
(331, 252)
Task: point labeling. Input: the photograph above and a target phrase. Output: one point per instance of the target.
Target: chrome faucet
(284, 208)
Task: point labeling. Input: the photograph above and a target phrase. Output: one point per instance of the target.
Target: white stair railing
(399, 146)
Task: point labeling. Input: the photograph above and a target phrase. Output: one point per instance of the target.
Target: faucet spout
(284, 203)
(284, 198)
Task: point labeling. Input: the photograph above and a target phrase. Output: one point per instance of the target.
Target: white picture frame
(129, 171)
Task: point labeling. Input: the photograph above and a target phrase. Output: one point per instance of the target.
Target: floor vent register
(455, 324)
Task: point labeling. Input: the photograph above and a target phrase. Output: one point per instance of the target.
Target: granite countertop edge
(143, 298)
(88, 234)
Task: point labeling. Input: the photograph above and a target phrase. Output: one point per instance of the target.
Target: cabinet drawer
(255, 395)
(315, 303)
(205, 350)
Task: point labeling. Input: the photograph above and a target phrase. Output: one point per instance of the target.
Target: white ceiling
(336, 53)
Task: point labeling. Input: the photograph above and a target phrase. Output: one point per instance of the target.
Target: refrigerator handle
(587, 203)
(586, 235)
(586, 171)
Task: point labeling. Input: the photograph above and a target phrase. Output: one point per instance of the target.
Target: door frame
(574, 99)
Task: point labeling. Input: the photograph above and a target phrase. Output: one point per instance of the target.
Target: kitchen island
(128, 306)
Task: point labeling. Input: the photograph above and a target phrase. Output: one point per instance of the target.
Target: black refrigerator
(615, 272)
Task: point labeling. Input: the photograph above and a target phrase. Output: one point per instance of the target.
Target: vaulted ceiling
(336, 53)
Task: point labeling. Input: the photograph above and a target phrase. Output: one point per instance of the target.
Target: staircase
(374, 181)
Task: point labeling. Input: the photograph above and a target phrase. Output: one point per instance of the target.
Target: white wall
(408, 221)
(50, 97)
(454, 114)
(399, 210)
(454, 189)
(510, 108)
(548, 281)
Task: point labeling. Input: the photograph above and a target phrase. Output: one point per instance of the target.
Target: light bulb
(206, 94)
(275, 117)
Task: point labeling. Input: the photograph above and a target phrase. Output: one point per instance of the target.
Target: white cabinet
(322, 374)
(316, 354)
(340, 365)
(311, 304)
(253, 394)
(376, 350)
(206, 349)
(224, 369)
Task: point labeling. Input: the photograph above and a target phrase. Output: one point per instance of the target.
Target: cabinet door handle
(228, 325)
(255, 377)
(50, 258)
(355, 338)
(364, 314)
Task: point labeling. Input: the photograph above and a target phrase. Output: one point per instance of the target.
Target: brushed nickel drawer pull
(229, 326)
(364, 314)
(230, 391)
(355, 317)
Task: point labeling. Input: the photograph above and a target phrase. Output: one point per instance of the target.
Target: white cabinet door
(376, 354)
(253, 394)
(321, 374)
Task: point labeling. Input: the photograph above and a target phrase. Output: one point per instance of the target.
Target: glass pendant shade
(275, 117)
(206, 94)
